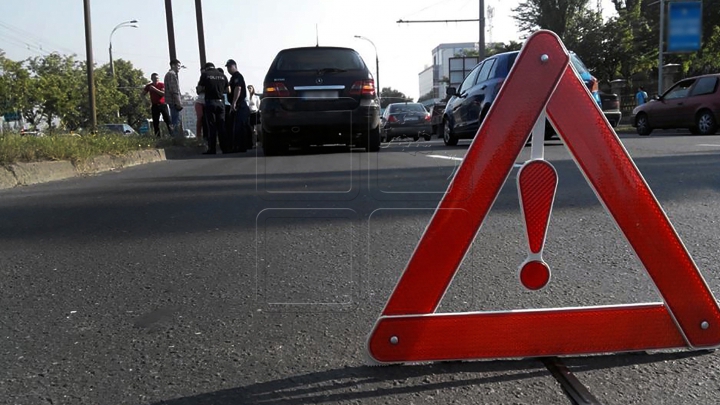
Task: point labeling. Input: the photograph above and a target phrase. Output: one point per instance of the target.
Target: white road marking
(709, 145)
(516, 165)
(445, 157)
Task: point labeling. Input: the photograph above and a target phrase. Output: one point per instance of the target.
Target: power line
(433, 21)
(428, 7)
(20, 44)
(35, 37)
(11, 37)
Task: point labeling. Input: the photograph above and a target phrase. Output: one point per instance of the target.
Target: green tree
(501, 47)
(554, 15)
(130, 82)
(108, 100)
(708, 59)
(389, 95)
(426, 96)
(16, 87)
(57, 80)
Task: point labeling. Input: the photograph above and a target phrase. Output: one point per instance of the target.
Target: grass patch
(76, 148)
(625, 128)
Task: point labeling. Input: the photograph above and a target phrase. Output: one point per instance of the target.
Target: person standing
(156, 89)
(213, 84)
(200, 127)
(238, 107)
(172, 95)
(641, 96)
(254, 105)
(225, 145)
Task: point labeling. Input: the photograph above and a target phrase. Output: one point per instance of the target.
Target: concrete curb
(28, 174)
(25, 174)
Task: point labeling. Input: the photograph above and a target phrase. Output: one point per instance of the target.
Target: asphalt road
(241, 279)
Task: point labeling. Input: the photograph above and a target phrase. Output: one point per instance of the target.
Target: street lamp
(377, 64)
(132, 24)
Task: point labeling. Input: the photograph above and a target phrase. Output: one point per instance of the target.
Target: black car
(406, 119)
(468, 105)
(319, 96)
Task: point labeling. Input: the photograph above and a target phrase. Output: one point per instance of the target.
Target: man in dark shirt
(213, 84)
(239, 108)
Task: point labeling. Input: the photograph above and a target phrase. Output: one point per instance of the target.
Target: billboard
(684, 26)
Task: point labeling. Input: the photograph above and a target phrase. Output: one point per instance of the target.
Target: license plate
(308, 95)
(411, 118)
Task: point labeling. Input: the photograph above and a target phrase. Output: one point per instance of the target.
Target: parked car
(317, 96)
(406, 119)
(124, 129)
(469, 104)
(611, 108)
(692, 103)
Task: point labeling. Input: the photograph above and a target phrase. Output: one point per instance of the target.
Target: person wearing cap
(172, 94)
(156, 89)
(239, 108)
(213, 84)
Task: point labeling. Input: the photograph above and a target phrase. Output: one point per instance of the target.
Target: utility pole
(170, 29)
(481, 20)
(90, 66)
(201, 31)
(661, 48)
(481, 40)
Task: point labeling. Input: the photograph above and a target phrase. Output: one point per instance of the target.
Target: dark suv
(467, 107)
(318, 96)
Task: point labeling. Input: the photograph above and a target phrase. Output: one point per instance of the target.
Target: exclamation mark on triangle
(537, 184)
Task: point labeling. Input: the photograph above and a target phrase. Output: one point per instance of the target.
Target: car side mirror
(451, 91)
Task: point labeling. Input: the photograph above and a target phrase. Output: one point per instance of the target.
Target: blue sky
(252, 32)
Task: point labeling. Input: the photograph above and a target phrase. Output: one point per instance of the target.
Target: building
(431, 78)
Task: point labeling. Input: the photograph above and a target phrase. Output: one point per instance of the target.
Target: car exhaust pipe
(295, 130)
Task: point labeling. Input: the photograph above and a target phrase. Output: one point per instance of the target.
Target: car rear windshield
(316, 59)
(407, 108)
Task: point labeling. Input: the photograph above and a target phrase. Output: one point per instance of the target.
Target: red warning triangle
(543, 80)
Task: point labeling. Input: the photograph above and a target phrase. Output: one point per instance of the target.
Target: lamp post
(377, 64)
(131, 23)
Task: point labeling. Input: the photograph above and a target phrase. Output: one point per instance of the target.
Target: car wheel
(449, 137)
(642, 124)
(373, 140)
(706, 123)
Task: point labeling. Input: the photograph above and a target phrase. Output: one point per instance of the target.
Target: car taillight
(428, 117)
(363, 88)
(276, 90)
(392, 119)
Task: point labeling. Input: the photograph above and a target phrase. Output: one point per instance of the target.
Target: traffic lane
(394, 231)
(279, 343)
(593, 265)
(391, 243)
(102, 307)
